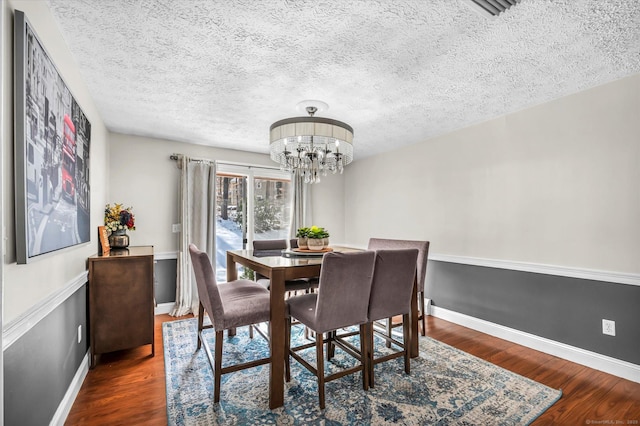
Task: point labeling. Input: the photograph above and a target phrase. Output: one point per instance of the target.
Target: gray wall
(40, 365)
(165, 280)
(566, 310)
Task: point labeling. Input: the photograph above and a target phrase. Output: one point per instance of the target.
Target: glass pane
(272, 210)
(231, 228)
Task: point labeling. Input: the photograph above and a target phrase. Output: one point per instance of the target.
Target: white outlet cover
(608, 327)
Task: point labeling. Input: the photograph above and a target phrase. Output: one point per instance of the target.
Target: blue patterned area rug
(446, 387)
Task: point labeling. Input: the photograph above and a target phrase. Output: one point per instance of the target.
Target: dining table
(281, 267)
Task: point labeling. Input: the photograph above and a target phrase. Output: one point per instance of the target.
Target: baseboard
(64, 408)
(610, 365)
(163, 308)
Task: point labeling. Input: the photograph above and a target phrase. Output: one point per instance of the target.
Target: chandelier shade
(313, 145)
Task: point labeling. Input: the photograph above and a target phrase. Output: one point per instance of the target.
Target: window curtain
(300, 203)
(198, 219)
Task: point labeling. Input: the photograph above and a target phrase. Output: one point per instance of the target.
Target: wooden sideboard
(121, 302)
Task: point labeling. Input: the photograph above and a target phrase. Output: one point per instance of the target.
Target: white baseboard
(163, 308)
(64, 408)
(610, 365)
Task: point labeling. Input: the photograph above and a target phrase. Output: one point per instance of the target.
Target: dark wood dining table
(280, 268)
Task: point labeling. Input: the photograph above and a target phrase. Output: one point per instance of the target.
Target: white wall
(327, 205)
(26, 285)
(555, 184)
(143, 176)
(3, 24)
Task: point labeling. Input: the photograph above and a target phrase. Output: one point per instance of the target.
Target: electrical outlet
(608, 327)
(176, 227)
(80, 333)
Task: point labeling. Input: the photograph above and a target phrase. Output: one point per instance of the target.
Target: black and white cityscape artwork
(53, 185)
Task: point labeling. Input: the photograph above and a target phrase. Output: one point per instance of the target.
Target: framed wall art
(52, 140)
(103, 241)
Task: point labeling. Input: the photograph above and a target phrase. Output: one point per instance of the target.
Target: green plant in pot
(317, 238)
(302, 236)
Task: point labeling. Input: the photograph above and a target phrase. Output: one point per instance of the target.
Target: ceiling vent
(491, 8)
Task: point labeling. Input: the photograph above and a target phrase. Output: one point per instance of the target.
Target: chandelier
(314, 146)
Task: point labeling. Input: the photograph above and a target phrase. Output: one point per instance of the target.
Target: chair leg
(423, 313)
(364, 356)
(251, 332)
(287, 348)
(331, 347)
(369, 339)
(389, 330)
(320, 367)
(200, 323)
(217, 374)
(406, 342)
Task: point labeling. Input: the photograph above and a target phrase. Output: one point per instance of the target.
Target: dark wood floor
(128, 387)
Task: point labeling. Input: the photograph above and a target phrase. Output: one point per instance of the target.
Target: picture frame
(103, 241)
(51, 155)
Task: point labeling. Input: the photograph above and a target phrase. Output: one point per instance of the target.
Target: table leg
(276, 378)
(414, 322)
(232, 275)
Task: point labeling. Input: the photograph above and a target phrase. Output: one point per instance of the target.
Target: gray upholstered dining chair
(291, 287)
(421, 265)
(342, 301)
(274, 248)
(393, 279)
(234, 304)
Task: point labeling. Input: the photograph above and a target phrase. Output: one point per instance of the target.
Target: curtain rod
(176, 157)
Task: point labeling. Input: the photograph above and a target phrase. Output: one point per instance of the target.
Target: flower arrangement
(117, 217)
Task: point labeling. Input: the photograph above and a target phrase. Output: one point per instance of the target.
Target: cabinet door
(121, 298)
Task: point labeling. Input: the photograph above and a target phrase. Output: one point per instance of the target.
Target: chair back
(262, 248)
(207, 286)
(274, 244)
(344, 289)
(423, 253)
(393, 279)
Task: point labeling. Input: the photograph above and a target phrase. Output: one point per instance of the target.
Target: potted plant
(302, 235)
(317, 238)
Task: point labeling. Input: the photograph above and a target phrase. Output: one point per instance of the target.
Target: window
(252, 203)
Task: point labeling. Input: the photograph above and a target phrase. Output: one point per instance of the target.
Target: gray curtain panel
(198, 219)
(300, 203)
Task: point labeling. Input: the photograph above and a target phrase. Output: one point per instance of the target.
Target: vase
(326, 242)
(316, 244)
(119, 239)
(302, 243)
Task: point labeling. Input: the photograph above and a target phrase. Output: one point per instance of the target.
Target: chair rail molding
(539, 268)
(166, 255)
(16, 328)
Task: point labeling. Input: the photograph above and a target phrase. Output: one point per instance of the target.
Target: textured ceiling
(398, 71)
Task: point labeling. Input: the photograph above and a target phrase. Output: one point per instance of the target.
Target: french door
(252, 203)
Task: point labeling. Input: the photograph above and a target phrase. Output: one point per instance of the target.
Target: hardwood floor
(128, 387)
